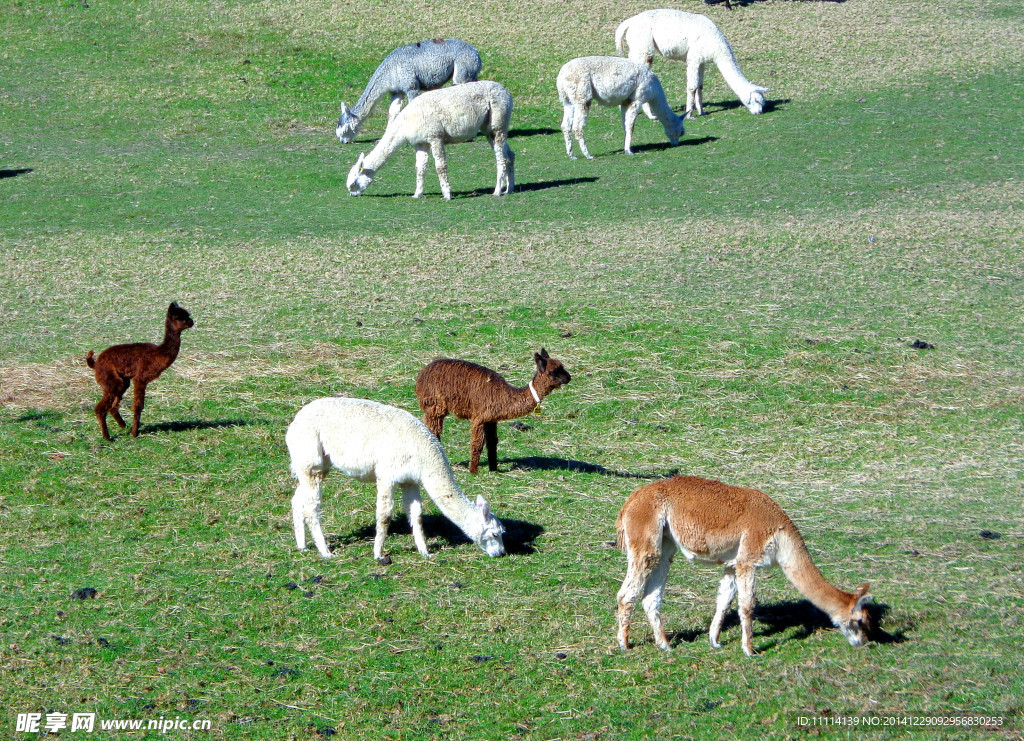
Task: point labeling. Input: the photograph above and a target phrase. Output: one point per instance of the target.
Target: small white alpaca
(691, 37)
(405, 73)
(439, 117)
(611, 81)
(375, 442)
(740, 529)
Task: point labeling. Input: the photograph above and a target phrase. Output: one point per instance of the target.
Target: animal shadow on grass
(14, 173)
(519, 534)
(745, 3)
(770, 106)
(658, 146)
(543, 463)
(515, 133)
(770, 620)
(196, 424)
(528, 187)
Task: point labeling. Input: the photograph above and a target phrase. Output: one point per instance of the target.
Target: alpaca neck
(439, 483)
(374, 91)
(387, 146)
(172, 342)
(798, 567)
(523, 400)
(730, 69)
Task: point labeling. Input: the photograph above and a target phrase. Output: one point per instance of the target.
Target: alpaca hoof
(628, 151)
(573, 157)
(589, 156)
(384, 560)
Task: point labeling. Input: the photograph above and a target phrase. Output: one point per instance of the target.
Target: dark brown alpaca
(473, 392)
(141, 362)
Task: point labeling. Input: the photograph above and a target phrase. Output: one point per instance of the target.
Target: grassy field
(744, 307)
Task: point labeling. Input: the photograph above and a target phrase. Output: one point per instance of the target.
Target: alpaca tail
(620, 37)
(89, 360)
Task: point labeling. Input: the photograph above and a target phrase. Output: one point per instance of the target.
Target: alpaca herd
(739, 529)
(437, 116)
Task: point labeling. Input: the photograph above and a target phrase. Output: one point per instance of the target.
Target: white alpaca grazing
(676, 34)
(373, 442)
(405, 73)
(439, 117)
(611, 81)
(740, 529)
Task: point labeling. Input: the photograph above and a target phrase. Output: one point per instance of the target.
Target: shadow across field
(684, 142)
(542, 463)
(192, 424)
(745, 3)
(516, 133)
(14, 173)
(519, 535)
(771, 620)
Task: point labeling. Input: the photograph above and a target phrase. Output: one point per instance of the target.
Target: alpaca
(141, 362)
(740, 529)
(676, 34)
(439, 117)
(611, 81)
(481, 395)
(405, 73)
(374, 442)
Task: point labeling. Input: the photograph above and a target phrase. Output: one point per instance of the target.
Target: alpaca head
(178, 318)
(359, 179)
(674, 129)
(491, 529)
(551, 374)
(755, 101)
(347, 125)
(856, 623)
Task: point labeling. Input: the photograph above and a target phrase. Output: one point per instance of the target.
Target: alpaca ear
(544, 353)
(540, 361)
(760, 89)
(483, 506)
(173, 306)
(359, 162)
(862, 596)
(344, 109)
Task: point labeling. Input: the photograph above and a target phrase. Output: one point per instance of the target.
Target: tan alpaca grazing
(741, 529)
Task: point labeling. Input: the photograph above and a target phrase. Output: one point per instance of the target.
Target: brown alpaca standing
(141, 362)
(481, 395)
(740, 529)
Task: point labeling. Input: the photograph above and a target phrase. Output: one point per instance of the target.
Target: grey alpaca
(405, 73)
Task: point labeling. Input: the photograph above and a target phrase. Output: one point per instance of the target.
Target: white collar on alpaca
(536, 396)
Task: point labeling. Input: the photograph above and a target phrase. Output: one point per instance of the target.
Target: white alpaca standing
(439, 117)
(374, 442)
(611, 81)
(695, 39)
(405, 73)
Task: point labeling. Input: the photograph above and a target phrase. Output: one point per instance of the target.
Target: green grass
(740, 307)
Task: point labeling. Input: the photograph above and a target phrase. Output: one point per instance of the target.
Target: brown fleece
(141, 362)
(483, 396)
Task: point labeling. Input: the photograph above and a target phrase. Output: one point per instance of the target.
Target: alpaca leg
(491, 439)
(412, 502)
(629, 114)
(138, 403)
(745, 586)
(434, 423)
(385, 513)
(567, 116)
(422, 160)
(654, 591)
(648, 112)
(579, 121)
(396, 106)
(441, 164)
(115, 409)
(476, 445)
(306, 512)
(698, 98)
(105, 403)
(502, 156)
(726, 594)
(510, 168)
(638, 571)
